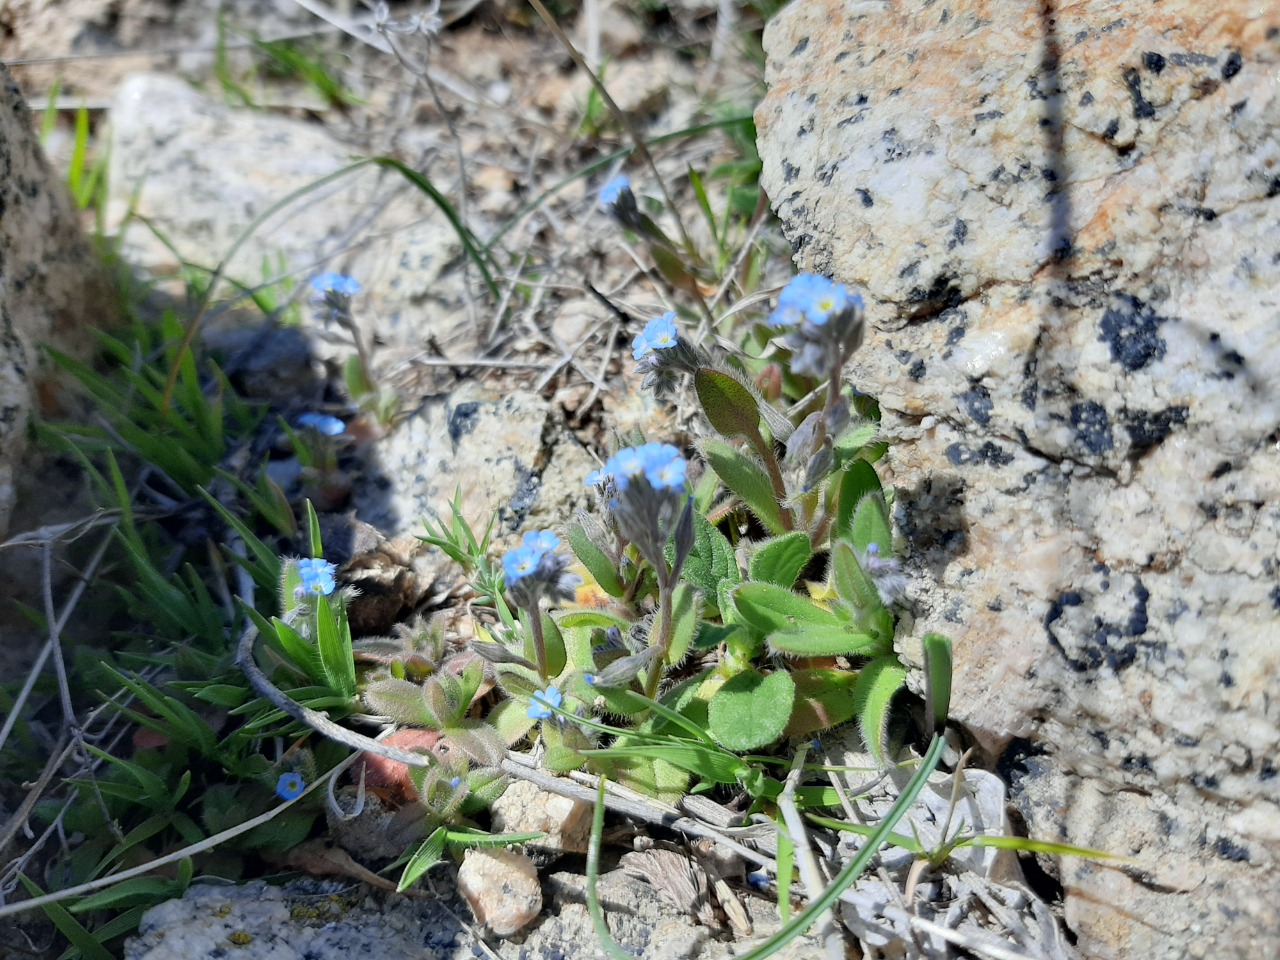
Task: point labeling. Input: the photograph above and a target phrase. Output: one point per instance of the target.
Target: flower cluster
(664, 354)
(824, 321)
(535, 570)
(648, 484)
(317, 576)
(333, 293)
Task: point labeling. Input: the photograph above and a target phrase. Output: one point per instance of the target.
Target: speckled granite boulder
(52, 288)
(202, 173)
(1067, 224)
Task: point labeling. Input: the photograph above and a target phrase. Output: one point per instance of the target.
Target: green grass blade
(478, 257)
(81, 939)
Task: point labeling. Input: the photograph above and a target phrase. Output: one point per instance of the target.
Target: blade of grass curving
(203, 305)
(478, 257)
(619, 114)
(593, 876)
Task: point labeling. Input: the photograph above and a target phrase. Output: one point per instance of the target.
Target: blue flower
(589, 679)
(612, 191)
(290, 786)
(317, 575)
(596, 477)
(666, 470)
(812, 298)
(541, 702)
(455, 783)
(322, 423)
(660, 333)
(520, 562)
(544, 541)
(338, 283)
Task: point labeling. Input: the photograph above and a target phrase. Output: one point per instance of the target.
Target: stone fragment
(502, 888)
(524, 808)
(1064, 222)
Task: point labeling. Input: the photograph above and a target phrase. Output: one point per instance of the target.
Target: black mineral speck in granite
(917, 371)
(1275, 598)
(959, 233)
(976, 401)
(1132, 330)
(462, 420)
(1142, 110)
(1233, 65)
(962, 455)
(789, 172)
(1092, 427)
(1229, 850)
(1148, 429)
(865, 197)
(800, 47)
(1153, 62)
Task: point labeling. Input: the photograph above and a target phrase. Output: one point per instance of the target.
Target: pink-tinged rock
(502, 889)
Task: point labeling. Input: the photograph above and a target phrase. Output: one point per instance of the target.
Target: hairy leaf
(746, 478)
(595, 560)
(728, 405)
(824, 640)
(877, 683)
(751, 710)
(779, 561)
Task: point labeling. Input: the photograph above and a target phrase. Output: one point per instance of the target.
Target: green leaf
(429, 853)
(595, 560)
(746, 478)
(937, 678)
(334, 645)
(69, 926)
(857, 481)
(751, 710)
(129, 893)
(511, 721)
(313, 531)
(854, 586)
(712, 561)
(877, 683)
(780, 561)
(871, 525)
(684, 613)
(767, 607)
(402, 701)
(824, 699)
(786, 872)
(729, 406)
(850, 444)
(826, 640)
(478, 838)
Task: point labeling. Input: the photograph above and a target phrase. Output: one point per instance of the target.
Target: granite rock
(1065, 222)
(502, 888)
(203, 173)
(53, 290)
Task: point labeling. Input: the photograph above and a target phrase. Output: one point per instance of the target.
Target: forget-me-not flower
(659, 334)
(322, 423)
(540, 703)
(612, 191)
(290, 786)
(338, 283)
(317, 575)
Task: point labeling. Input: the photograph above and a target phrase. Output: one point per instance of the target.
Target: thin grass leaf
(81, 939)
(786, 872)
(429, 853)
